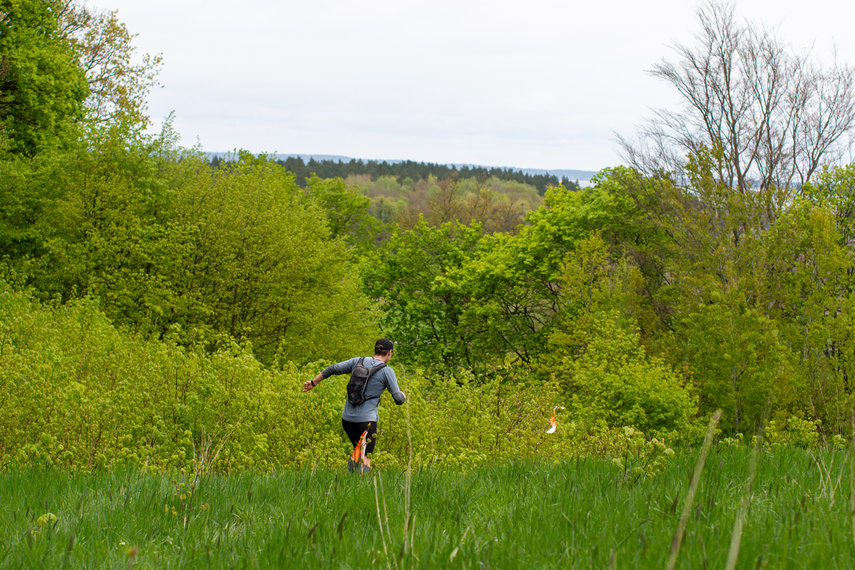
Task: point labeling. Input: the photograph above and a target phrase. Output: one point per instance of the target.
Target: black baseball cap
(382, 345)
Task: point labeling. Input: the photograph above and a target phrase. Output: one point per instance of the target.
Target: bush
(615, 381)
(81, 395)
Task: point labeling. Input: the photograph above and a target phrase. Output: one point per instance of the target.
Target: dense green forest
(414, 171)
(401, 192)
(650, 299)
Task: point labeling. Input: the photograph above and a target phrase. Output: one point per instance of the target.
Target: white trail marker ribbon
(552, 421)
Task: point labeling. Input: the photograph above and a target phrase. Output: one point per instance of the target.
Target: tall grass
(577, 514)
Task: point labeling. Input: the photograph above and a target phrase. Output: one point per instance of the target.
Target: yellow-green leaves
(41, 86)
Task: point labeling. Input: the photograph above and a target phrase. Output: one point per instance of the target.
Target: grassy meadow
(584, 513)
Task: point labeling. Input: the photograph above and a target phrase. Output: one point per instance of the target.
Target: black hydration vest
(359, 381)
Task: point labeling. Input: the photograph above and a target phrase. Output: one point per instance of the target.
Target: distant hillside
(581, 176)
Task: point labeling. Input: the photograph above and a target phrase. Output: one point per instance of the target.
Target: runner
(357, 419)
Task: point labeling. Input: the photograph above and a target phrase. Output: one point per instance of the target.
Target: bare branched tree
(119, 81)
(773, 115)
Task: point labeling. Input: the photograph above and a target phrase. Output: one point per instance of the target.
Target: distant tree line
(410, 169)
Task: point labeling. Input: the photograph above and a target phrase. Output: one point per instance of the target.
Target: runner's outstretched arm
(309, 384)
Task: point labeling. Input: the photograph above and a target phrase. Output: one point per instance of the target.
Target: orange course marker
(358, 455)
(553, 421)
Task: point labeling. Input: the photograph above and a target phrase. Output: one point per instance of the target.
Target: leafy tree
(708, 246)
(596, 353)
(503, 297)
(746, 291)
(807, 289)
(416, 278)
(751, 301)
(19, 205)
(445, 204)
(834, 187)
(635, 215)
(512, 281)
(615, 381)
(738, 361)
(386, 210)
(41, 86)
(97, 220)
(118, 83)
(682, 237)
(512, 299)
(257, 262)
(346, 210)
(170, 247)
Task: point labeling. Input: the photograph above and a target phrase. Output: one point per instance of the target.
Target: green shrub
(81, 395)
(616, 381)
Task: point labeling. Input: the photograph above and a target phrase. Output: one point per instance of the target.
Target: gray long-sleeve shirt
(379, 381)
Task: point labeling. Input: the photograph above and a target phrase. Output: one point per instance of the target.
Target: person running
(357, 419)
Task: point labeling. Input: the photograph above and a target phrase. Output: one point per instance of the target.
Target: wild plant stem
(690, 495)
(408, 483)
(386, 516)
(380, 523)
(744, 503)
(852, 475)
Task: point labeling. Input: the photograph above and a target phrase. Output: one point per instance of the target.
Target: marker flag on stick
(552, 421)
(358, 455)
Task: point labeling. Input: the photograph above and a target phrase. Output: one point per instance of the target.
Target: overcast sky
(525, 84)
